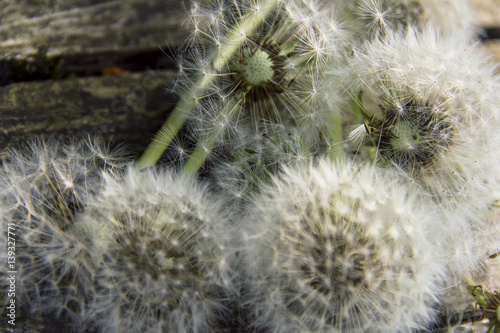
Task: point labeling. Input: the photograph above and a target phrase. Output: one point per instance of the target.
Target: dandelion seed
(374, 18)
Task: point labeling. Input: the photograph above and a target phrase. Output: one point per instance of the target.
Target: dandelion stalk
(197, 158)
(182, 111)
(334, 137)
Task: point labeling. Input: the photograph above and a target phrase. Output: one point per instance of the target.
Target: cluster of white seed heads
(352, 163)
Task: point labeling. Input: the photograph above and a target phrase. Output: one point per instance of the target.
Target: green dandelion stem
(181, 112)
(238, 35)
(477, 292)
(198, 157)
(168, 131)
(208, 142)
(334, 137)
(359, 108)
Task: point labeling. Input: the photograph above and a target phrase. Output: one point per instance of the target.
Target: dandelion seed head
(171, 245)
(281, 49)
(330, 272)
(374, 18)
(426, 100)
(44, 187)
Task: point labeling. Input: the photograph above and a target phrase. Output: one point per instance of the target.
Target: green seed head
(406, 137)
(411, 134)
(257, 68)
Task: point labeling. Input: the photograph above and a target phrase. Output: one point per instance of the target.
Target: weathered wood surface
(42, 39)
(488, 12)
(488, 16)
(53, 55)
(125, 108)
(67, 27)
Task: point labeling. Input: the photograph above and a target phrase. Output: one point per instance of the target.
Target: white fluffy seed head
(430, 108)
(257, 153)
(429, 105)
(162, 258)
(471, 245)
(44, 188)
(341, 248)
(274, 73)
(450, 14)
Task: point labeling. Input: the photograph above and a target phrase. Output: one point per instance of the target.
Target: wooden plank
(74, 42)
(88, 26)
(488, 16)
(127, 108)
(82, 37)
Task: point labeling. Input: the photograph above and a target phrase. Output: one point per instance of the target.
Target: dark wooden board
(52, 58)
(126, 108)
